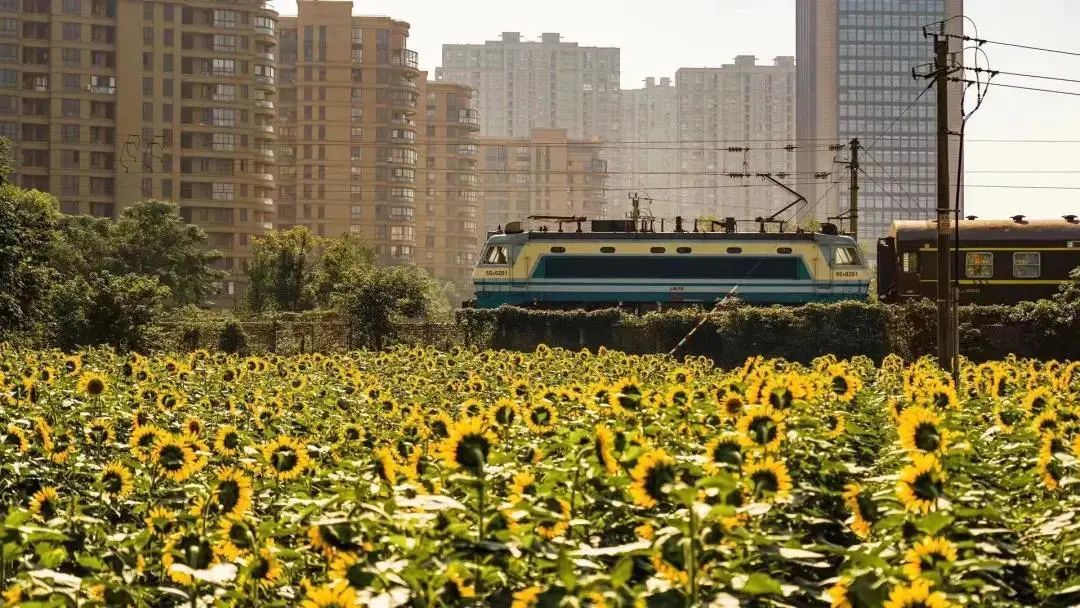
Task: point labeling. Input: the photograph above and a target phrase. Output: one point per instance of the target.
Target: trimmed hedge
(1044, 329)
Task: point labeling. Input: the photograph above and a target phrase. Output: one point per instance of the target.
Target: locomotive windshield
(495, 255)
(846, 256)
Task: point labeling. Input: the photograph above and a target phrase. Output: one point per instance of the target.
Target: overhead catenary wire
(1016, 86)
(982, 41)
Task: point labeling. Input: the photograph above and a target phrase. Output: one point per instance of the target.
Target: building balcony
(265, 202)
(265, 129)
(268, 57)
(265, 177)
(469, 118)
(264, 153)
(406, 58)
(265, 104)
(405, 83)
(265, 33)
(262, 79)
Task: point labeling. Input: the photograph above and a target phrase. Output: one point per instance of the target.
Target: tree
(7, 160)
(340, 257)
(83, 246)
(373, 299)
(28, 220)
(279, 277)
(105, 309)
(150, 238)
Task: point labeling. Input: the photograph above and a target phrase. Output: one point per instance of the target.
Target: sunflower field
(555, 478)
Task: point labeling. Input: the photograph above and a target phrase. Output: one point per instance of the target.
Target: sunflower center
(95, 386)
(195, 552)
(231, 441)
(112, 481)
(284, 459)
(733, 406)
(941, 399)
(765, 482)
(728, 454)
(927, 437)
(472, 452)
(239, 536)
(172, 457)
(839, 385)
(763, 430)
(656, 480)
(260, 568)
(927, 486)
(228, 494)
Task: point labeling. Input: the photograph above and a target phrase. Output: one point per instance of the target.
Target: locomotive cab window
(1027, 265)
(846, 256)
(495, 255)
(909, 261)
(979, 265)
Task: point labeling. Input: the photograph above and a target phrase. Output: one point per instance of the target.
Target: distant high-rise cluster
(855, 80)
(251, 122)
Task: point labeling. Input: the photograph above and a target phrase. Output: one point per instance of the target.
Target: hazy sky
(657, 38)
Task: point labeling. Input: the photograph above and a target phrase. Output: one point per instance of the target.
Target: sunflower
(503, 412)
(441, 425)
(652, 475)
(160, 521)
(227, 441)
(669, 571)
(732, 406)
(193, 426)
(1051, 472)
(1006, 417)
(468, 445)
(232, 493)
(171, 400)
(523, 484)
(457, 588)
(1045, 423)
(92, 384)
(72, 364)
(189, 550)
(335, 536)
(236, 539)
(555, 527)
(329, 596)
(115, 479)
(604, 447)
(173, 457)
(347, 569)
(286, 458)
(385, 465)
(862, 509)
(921, 431)
(843, 386)
(916, 595)
(44, 503)
(928, 554)
(625, 395)
(541, 417)
(724, 453)
(840, 593)
(17, 437)
(519, 390)
(678, 396)
(768, 479)
(680, 375)
(942, 396)
(526, 598)
(835, 423)
(762, 427)
(1038, 400)
(921, 483)
(99, 433)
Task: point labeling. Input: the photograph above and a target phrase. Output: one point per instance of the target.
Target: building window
(224, 67)
(71, 31)
(148, 11)
(73, 7)
(224, 142)
(224, 18)
(224, 117)
(1027, 265)
(69, 108)
(69, 184)
(69, 134)
(979, 265)
(70, 57)
(223, 192)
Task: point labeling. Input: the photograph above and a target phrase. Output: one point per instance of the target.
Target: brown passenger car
(1000, 261)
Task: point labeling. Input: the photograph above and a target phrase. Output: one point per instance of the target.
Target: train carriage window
(607, 250)
(909, 261)
(684, 250)
(845, 256)
(734, 249)
(495, 255)
(783, 250)
(979, 265)
(558, 250)
(657, 250)
(1027, 265)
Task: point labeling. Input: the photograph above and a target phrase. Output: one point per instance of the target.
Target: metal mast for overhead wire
(948, 344)
(853, 206)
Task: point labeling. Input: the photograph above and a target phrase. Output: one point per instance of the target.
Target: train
(628, 264)
(998, 262)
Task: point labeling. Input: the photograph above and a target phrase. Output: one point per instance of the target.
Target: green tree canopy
(28, 220)
(375, 298)
(280, 275)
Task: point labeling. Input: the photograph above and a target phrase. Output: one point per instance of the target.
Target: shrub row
(1034, 329)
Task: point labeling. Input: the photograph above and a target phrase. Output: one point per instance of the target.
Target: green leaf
(933, 523)
(758, 584)
(566, 570)
(622, 571)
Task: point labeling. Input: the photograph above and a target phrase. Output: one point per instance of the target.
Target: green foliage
(7, 160)
(233, 339)
(149, 239)
(27, 222)
(373, 299)
(280, 275)
(105, 309)
(339, 258)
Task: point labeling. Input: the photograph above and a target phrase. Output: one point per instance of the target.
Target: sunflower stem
(573, 492)
(692, 560)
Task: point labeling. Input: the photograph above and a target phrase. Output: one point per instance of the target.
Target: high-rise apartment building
(348, 160)
(448, 211)
(736, 118)
(855, 61)
(547, 84)
(109, 102)
(544, 174)
(646, 149)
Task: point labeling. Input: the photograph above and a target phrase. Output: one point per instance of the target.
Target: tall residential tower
(855, 62)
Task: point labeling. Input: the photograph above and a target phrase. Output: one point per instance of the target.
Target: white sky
(657, 38)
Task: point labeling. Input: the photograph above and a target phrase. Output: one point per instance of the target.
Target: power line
(888, 174)
(993, 73)
(981, 41)
(898, 117)
(1016, 86)
(899, 204)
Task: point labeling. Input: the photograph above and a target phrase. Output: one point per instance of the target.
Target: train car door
(519, 273)
(909, 277)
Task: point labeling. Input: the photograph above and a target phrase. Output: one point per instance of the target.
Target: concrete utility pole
(853, 205)
(946, 306)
